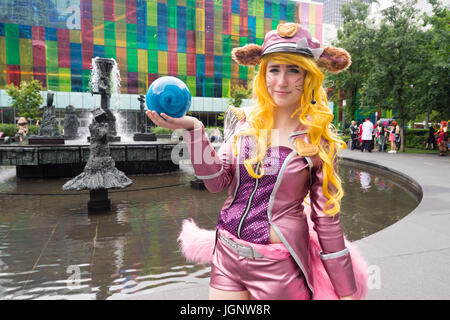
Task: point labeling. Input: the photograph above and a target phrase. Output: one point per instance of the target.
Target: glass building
(55, 41)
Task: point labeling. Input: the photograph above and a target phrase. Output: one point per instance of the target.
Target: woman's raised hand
(165, 121)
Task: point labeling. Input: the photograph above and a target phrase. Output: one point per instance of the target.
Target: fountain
(48, 129)
(143, 135)
(69, 160)
(100, 173)
(101, 84)
(71, 124)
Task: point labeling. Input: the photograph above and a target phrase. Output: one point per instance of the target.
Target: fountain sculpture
(71, 124)
(48, 128)
(143, 135)
(100, 172)
(101, 84)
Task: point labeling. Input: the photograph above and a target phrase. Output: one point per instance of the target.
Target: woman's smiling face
(285, 84)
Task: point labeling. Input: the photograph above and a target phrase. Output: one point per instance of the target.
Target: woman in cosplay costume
(270, 241)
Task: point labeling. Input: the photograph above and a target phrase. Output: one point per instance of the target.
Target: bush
(415, 138)
(10, 129)
(161, 130)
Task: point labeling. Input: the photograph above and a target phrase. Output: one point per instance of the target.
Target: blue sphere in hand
(169, 95)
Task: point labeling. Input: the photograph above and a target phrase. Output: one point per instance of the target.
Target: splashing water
(121, 122)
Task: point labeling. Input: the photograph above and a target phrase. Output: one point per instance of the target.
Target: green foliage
(238, 93)
(161, 130)
(10, 130)
(26, 99)
(402, 64)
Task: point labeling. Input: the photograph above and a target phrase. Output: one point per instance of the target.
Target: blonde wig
(316, 117)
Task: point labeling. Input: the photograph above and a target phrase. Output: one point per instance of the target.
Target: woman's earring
(313, 101)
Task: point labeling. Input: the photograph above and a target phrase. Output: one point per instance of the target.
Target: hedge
(10, 130)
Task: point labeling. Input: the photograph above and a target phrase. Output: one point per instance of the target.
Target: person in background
(22, 131)
(392, 137)
(367, 135)
(431, 141)
(354, 134)
(397, 137)
(442, 140)
(381, 133)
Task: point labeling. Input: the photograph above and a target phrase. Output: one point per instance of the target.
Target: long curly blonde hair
(316, 117)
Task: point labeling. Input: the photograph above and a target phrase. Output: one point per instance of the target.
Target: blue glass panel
(181, 29)
(162, 26)
(99, 51)
(235, 6)
(25, 32)
(51, 34)
(268, 9)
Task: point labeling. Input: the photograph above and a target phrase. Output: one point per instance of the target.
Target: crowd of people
(367, 136)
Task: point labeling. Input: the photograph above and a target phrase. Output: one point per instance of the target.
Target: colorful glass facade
(189, 39)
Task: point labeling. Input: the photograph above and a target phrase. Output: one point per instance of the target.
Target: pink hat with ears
(291, 37)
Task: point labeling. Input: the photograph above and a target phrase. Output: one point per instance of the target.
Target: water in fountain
(121, 122)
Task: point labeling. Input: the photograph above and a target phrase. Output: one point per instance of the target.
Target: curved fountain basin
(51, 161)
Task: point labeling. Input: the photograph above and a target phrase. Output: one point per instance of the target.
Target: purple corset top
(246, 217)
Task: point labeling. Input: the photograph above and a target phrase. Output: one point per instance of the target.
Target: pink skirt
(391, 136)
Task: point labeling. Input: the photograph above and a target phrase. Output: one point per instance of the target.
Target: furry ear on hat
(334, 60)
(248, 55)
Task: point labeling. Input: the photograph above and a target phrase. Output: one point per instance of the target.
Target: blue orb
(169, 95)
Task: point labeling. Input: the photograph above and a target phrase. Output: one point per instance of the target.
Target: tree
(356, 37)
(433, 86)
(238, 93)
(397, 62)
(26, 99)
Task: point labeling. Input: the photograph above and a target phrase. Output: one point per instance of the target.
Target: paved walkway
(409, 259)
(413, 254)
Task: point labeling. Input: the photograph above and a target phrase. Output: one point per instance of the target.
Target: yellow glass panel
(200, 19)
(75, 36)
(142, 61)
(162, 62)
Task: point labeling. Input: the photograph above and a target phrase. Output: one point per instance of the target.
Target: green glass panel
(11, 30)
(226, 67)
(226, 88)
(259, 41)
(152, 38)
(226, 43)
(132, 61)
(131, 36)
(276, 10)
(260, 26)
(53, 78)
(172, 16)
(52, 54)
(12, 44)
(209, 87)
(110, 52)
(110, 33)
(243, 71)
(243, 41)
(64, 79)
(152, 13)
(275, 24)
(251, 7)
(290, 11)
(190, 15)
(152, 61)
(86, 77)
(181, 63)
(191, 83)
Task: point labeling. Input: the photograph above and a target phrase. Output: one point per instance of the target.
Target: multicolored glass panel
(55, 41)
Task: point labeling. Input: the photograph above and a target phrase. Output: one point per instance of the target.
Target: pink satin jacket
(249, 216)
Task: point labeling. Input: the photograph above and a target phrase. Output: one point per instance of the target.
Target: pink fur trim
(196, 244)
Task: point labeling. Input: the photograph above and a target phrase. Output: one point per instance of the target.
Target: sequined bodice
(246, 217)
